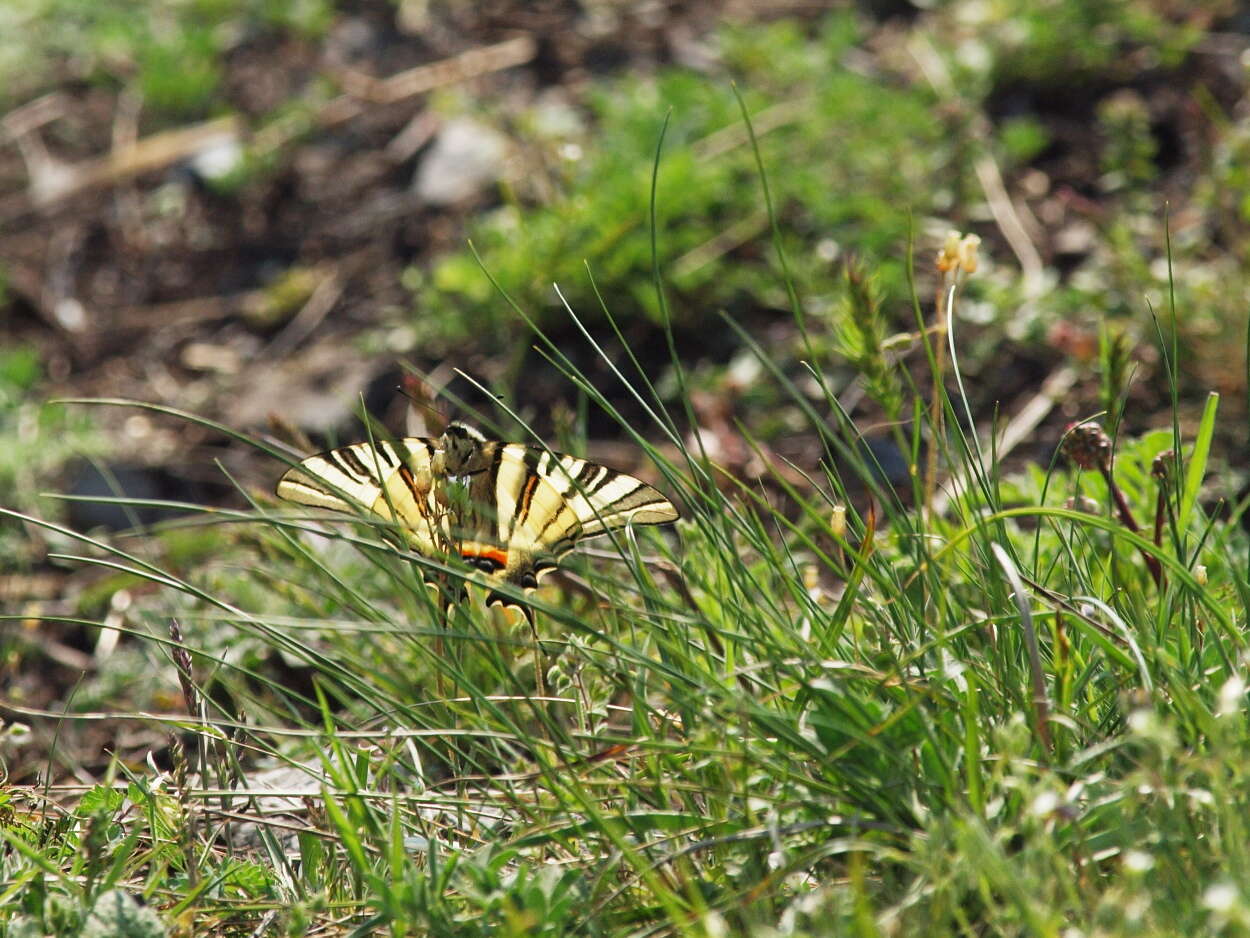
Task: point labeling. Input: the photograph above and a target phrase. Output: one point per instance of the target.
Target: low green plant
(171, 54)
(848, 180)
(1014, 43)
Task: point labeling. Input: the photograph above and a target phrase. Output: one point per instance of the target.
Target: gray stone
(464, 159)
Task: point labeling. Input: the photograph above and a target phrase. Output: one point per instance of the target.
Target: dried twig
(302, 325)
(369, 92)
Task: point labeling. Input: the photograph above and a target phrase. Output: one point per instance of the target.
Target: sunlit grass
(975, 701)
(806, 705)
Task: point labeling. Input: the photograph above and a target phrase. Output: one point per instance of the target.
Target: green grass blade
(1196, 466)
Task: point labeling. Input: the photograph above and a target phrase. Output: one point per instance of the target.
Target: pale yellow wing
(556, 500)
(525, 508)
(390, 479)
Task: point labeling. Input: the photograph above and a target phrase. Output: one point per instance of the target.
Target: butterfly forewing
(391, 480)
(603, 499)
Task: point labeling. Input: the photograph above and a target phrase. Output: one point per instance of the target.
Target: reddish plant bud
(1161, 467)
(1088, 445)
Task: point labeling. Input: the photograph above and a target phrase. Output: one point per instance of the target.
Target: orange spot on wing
(490, 553)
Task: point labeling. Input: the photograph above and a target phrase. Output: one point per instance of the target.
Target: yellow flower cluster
(959, 253)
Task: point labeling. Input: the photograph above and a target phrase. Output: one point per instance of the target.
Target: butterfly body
(507, 509)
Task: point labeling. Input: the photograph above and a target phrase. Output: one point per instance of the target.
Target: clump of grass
(1002, 718)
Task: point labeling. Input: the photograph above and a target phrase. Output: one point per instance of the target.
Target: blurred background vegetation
(225, 206)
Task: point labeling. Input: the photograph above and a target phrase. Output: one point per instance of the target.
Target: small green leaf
(1197, 466)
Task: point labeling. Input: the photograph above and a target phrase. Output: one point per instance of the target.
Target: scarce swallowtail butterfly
(509, 510)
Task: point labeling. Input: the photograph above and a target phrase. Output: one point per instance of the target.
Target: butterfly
(509, 510)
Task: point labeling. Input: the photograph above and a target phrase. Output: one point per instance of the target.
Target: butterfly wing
(392, 480)
(602, 499)
(508, 509)
(547, 502)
